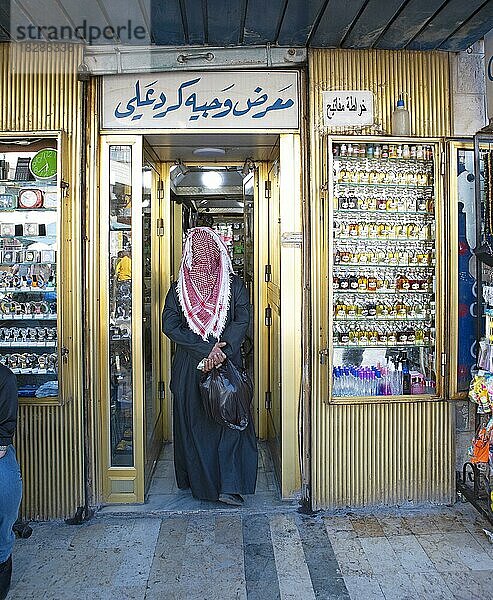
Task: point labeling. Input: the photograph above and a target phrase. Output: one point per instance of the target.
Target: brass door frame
(290, 298)
(133, 477)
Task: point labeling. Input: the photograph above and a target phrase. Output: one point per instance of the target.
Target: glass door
(121, 303)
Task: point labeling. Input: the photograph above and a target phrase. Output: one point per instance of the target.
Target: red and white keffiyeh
(204, 283)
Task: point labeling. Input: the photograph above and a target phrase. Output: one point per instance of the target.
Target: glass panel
(28, 268)
(120, 294)
(383, 269)
(466, 276)
(150, 399)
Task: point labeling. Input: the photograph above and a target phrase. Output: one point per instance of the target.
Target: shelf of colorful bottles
(412, 186)
(373, 159)
(385, 266)
(383, 213)
(383, 239)
(381, 292)
(385, 345)
(389, 319)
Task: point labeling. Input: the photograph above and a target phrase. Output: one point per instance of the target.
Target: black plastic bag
(226, 393)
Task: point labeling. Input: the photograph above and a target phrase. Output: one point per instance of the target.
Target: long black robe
(209, 459)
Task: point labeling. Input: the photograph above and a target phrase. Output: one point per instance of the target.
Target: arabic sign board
(488, 65)
(348, 108)
(215, 100)
(292, 238)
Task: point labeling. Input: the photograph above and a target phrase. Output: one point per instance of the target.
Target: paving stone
(431, 586)
(475, 585)
(379, 554)
(363, 587)
(324, 569)
(396, 585)
(367, 526)
(393, 525)
(292, 571)
(455, 552)
(410, 554)
(350, 554)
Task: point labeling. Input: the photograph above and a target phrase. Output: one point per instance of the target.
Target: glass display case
(29, 242)
(383, 271)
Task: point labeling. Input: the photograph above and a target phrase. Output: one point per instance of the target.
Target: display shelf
(401, 266)
(382, 239)
(372, 160)
(27, 290)
(28, 344)
(383, 345)
(30, 182)
(384, 213)
(412, 186)
(17, 371)
(30, 317)
(382, 292)
(393, 319)
(27, 210)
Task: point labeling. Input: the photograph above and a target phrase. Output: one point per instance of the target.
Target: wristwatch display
(28, 273)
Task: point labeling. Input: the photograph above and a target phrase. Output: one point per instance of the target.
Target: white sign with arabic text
(348, 108)
(209, 100)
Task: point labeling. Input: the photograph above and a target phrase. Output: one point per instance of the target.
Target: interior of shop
(187, 181)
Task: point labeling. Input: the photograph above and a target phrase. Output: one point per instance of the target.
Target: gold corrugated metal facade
(39, 92)
(374, 453)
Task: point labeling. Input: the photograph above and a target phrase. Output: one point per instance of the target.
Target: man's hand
(217, 355)
(215, 358)
(3, 453)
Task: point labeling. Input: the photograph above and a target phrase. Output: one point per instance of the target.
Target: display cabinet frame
(65, 342)
(440, 286)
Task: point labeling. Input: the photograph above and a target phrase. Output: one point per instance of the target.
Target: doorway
(160, 185)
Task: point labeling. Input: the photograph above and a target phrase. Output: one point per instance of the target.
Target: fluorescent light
(212, 179)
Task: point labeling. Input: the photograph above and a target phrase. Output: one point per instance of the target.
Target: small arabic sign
(292, 238)
(209, 100)
(348, 108)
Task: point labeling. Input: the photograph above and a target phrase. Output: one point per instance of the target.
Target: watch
(30, 198)
(43, 164)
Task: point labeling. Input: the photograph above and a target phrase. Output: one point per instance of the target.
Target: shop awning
(394, 24)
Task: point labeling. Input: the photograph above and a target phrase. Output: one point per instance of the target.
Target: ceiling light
(210, 152)
(212, 179)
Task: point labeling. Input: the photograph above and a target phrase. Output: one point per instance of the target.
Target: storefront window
(466, 280)
(28, 268)
(383, 270)
(120, 301)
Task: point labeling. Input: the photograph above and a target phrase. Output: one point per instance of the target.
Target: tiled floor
(422, 554)
(164, 495)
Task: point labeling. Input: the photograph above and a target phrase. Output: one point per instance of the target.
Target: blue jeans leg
(10, 499)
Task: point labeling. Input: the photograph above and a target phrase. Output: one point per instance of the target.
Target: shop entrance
(159, 186)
